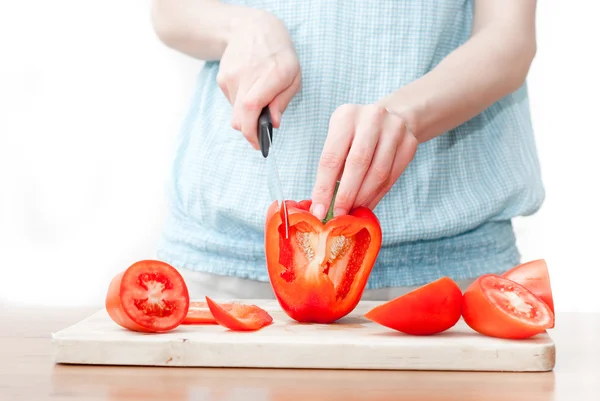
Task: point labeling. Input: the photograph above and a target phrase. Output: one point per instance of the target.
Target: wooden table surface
(27, 372)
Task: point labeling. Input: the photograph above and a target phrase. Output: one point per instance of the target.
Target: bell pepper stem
(329, 215)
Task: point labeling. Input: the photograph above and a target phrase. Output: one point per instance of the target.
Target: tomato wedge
(429, 309)
(240, 317)
(148, 296)
(199, 313)
(498, 307)
(534, 276)
(319, 273)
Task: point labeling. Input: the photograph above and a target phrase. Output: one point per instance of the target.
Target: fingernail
(338, 211)
(318, 211)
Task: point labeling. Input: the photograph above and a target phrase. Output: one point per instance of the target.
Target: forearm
(493, 63)
(198, 28)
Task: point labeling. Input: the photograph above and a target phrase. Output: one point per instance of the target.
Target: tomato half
(429, 309)
(498, 307)
(534, 276)
(151, 294)
(199, 313)
(318, 274)
(240, 317)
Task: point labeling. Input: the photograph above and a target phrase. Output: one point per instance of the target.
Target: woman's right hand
(259, 67)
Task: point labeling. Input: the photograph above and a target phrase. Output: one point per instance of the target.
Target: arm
(258, 63)
(198, 28)
(490, 65)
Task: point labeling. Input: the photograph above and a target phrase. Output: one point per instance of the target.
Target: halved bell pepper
(319, 273)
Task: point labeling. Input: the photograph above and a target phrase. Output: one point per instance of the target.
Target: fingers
(369, 149)
(358, 163)
(281, 101)
(249, 91)
(380, 171)
(274, 83)
(404, 155)
(333, 156)
(238, 104)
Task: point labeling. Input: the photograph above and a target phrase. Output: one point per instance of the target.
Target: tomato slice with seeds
(153, 295)
(427, 310)
(498, 307)
(241, 317)
(199, 313)
(535, 277)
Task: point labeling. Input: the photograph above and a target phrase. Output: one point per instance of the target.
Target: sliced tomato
(199, 313)
(534, 276)
(115, 309)
(151, 294)
(241, 317)
(498, 307)
(429, 309)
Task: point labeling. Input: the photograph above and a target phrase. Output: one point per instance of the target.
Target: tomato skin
(312, 297)
(534, 276)
(149, 296)
(115, 309)
(488, 317)
(430, 309)
(199, 313)
(240, 317)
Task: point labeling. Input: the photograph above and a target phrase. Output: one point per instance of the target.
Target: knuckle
(360, 158)
(287, 70)
(344, 112)
(375, 111)
(380, 174)
(344, 199)
(224, 77)
(321, 192)
(374, 116)
(330, 160)
(250, 104)
(279, 72)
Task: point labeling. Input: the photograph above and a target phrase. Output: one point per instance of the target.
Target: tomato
(240, 317)
(429, 309)
(534, 276)
(319, 273)
(199, 313)
(115, 309)
(498, 307)
(149, 296)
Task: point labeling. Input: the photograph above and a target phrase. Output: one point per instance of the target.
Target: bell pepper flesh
(319, 273)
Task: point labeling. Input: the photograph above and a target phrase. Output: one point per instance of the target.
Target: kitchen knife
(265, 139)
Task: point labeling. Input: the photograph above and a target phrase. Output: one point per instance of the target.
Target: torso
(449, 214)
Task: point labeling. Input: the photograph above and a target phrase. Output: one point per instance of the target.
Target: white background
(90, 104)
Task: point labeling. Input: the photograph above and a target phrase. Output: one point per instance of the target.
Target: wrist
(404, 111)
(242, 17)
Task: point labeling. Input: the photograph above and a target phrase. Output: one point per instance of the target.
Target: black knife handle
(265, 131)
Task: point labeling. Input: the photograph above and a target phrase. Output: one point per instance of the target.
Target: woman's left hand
(367, 149)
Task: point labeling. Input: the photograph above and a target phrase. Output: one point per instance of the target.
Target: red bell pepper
(319, 273)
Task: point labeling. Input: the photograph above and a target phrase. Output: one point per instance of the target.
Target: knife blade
(265, 139)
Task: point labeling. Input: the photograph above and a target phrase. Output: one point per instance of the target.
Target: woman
(419, 108)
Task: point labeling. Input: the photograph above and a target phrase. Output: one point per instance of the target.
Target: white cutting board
(352, 343)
